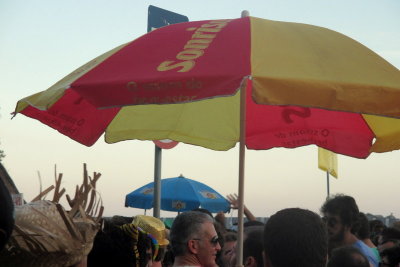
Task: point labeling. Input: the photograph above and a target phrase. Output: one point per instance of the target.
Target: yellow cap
(153, 226)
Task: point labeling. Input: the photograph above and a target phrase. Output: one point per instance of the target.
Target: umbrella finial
(245, 13)
(181, 175)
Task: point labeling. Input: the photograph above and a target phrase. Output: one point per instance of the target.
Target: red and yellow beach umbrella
(302, 72)
(316, 86)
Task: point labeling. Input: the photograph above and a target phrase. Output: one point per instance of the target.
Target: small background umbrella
(178, 194)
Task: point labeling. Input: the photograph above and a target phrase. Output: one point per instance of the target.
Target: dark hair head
(390, 233)
(392, 255)
(253, 244)
(376, 226)
(347, 256)
(185, 226)
(113, 247)
(343, 206)
(296, 237)
(230, 237)
(120, 220)
(225, 237)
(361, 227)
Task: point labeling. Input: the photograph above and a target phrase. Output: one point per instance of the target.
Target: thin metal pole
(157, 182)
(327, 185)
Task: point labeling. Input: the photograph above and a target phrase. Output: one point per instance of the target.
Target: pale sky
(41, 41)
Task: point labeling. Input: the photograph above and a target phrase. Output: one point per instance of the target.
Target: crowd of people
(340, 236)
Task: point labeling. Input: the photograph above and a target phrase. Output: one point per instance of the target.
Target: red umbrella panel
(266, 126)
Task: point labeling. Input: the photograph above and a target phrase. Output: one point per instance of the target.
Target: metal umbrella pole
(157, 181)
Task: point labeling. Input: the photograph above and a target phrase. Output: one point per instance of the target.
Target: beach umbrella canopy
(298, 68)
(178, 194)
(318, 86)
(197, 60)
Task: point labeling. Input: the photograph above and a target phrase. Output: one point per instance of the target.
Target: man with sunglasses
(194, 240)
(340, 215)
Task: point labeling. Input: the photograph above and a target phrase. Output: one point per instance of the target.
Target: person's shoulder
(364, 249)
(360, 245)
(367, 251)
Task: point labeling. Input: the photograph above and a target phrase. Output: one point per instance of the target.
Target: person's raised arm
(233, 199)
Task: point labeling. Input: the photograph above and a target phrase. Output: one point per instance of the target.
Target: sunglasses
(214, 241)
(330, 221)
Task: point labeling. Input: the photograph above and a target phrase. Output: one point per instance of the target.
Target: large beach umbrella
(318, 86)
(178, 194)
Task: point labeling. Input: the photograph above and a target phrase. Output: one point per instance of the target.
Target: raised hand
(233, 200)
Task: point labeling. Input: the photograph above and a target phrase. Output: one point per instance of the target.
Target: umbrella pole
(242, 139)
(239, 258)
(242, 149)
(157, 182)
(327, 185)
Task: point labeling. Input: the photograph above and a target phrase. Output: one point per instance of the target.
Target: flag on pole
(327, 161)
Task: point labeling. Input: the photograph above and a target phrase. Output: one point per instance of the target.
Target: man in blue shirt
(340, 214)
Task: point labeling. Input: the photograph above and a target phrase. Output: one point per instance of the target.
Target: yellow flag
(327, 161)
